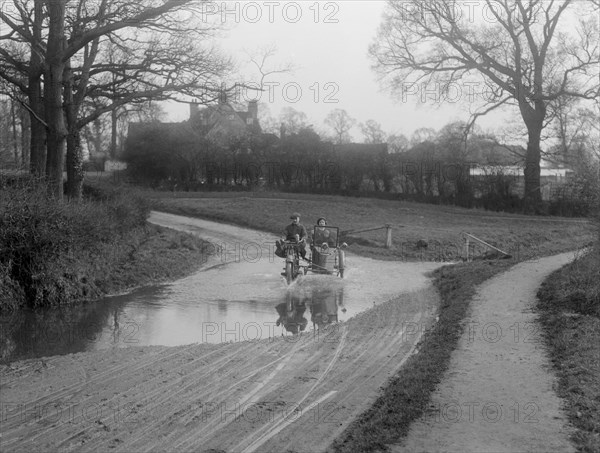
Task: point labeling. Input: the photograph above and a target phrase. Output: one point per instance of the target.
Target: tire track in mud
(270, 431)
(79, 386)
(115, 375)
(188, 417)
(160, 396)
(168, 392)
(111, 374)
(350, 383)
(358, 365)
(250, 398)
(196, 379)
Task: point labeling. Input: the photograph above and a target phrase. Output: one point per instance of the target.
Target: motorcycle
(327, 255)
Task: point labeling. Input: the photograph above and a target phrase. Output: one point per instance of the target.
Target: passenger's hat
(294, 215)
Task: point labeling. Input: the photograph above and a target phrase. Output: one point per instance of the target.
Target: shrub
(42, 241)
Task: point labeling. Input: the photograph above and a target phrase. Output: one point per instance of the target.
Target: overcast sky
(328, 44)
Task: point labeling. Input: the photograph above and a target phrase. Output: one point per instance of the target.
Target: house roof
(223, 119)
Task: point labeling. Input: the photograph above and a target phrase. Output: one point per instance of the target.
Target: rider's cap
(295, 215)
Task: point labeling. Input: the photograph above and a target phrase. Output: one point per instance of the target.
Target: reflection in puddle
(321, 303)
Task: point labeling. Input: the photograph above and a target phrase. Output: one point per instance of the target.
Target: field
(440, 227)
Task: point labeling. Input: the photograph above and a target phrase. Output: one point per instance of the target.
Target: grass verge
(569, 308)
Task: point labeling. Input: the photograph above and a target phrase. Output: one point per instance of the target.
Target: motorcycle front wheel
(289, 272)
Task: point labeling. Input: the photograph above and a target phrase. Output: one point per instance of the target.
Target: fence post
(467, 247)
(388, 236)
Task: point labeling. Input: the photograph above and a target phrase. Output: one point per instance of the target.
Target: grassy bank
(58, 253)
(569, 307)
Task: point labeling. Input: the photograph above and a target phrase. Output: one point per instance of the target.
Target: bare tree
(341, 122)
(397, 143)
(422, 134)
(260, 58)
(135, 68)
(528, 54)
(292, 120)
(100, 135)
(373, 132)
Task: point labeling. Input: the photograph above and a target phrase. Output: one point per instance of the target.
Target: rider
(321, 223)
(295, 232)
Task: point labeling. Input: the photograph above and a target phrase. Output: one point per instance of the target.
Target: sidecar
(327, 255)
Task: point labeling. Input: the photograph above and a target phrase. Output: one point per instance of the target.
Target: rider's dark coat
(295, 229)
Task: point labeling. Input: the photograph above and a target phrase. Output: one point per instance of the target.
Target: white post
(388, 236)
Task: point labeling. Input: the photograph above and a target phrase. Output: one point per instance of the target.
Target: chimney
(253, 110)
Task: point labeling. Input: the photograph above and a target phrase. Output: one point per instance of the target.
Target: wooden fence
(468, 237)
(388, 233)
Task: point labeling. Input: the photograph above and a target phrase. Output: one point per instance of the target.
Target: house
(220, 123)
(198, 150)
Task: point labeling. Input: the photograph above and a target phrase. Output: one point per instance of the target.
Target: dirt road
(498, 394)
(283, 393)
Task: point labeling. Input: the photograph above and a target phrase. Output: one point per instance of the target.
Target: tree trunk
(533, 194)
(74, 153)
(37, 150)
(56, 132)
(15, 134)
(113, 133)
(55, 118)
(37, 147)
(25, 136)
(74, 166)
